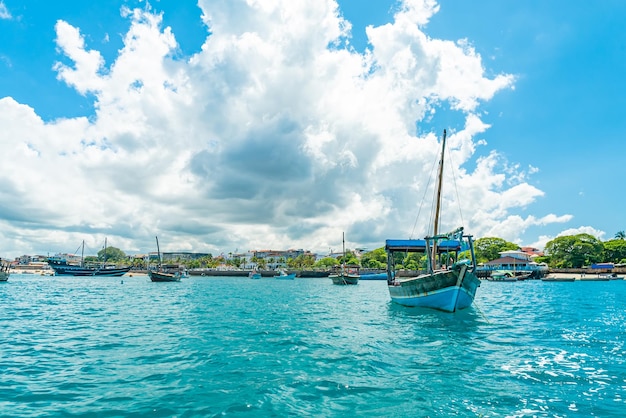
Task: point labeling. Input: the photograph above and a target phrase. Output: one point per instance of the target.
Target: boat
(4, 271)
(373, 276)
(558, 277)
(161, 274)
(254, 275)
(502, 276)
(283, 275)
(448, 283)
(62, 267)
(348, 275)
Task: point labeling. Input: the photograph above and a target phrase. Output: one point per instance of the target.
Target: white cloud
(272, 136)
(544, 239)
(4, 11)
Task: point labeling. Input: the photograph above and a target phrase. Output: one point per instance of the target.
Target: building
(514, 261)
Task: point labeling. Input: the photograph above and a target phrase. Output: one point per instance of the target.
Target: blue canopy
(419, 245)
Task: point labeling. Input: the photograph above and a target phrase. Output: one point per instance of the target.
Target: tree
(111, 254)
(489, 248)
(376, 259)
(620, 235)
(574, 251)
(614, 250)
(327, 262)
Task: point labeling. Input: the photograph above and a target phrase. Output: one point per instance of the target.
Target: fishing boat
(62, 267)
(283, 275)
(502, 276)
(448, 283)
(4, 271)
(373, 276)
(160, 274)
(347, 275)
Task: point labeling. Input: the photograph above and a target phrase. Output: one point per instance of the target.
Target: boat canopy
(419, 245)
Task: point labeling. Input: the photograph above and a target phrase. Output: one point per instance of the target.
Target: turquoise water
(235, 347)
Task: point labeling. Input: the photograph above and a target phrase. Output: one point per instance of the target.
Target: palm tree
(620, 235)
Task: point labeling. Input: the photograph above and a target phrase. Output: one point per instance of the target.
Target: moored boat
(254, 275)
(347, 275)
(4, 271)
(373, 276)
(283, 275)
(62, 267)
(161, 275)
(448, 284)
(502, 276)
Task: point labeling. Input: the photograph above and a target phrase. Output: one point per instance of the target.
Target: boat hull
(344, 279)
(156, 276)
(4, 276)
(448, 291)
(82, 271)
(291, 276)
(374, 276)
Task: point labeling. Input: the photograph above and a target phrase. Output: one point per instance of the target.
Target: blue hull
(441, 291)
(374, 276)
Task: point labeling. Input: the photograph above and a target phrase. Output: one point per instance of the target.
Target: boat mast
(159, 254)
(343, 257)
(104, 261)
(438, 203)
(82, 255)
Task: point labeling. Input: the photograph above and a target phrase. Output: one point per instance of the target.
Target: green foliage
(301, 261)
(574, 251)
(327, 262)
(489, 248)
(614, 250)
(620, 235)
(112, 255)
(375, 259)
(349, 259)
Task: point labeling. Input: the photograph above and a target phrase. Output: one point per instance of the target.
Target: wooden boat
(558, 278)
(160, 275)
(4, 271)
(448, 284)
(283, 275)
(61, 267)
(373, 276)
(347, 275)
(502, 276)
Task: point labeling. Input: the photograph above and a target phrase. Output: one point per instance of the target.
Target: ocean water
(235, 347)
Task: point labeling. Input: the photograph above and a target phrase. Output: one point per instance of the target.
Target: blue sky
(222, 125)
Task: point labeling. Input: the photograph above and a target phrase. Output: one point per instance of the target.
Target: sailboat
(160, 275)
(448, 284)
(62, 267)
(4, 271)
(345, 276)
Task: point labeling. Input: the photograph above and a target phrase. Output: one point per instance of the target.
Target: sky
(226, 126)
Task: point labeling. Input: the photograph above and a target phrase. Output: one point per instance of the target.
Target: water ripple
(234, 347)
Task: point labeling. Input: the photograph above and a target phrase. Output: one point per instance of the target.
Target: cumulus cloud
(544, 239)
(274, 135)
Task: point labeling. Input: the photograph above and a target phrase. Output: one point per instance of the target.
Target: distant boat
(373, 276)
(160, 275)
(283, 275)
(254, 275)
(502, 276)
(347, 275)
(62, 267)
(4, 271)
(449, 284)
(558, 278)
